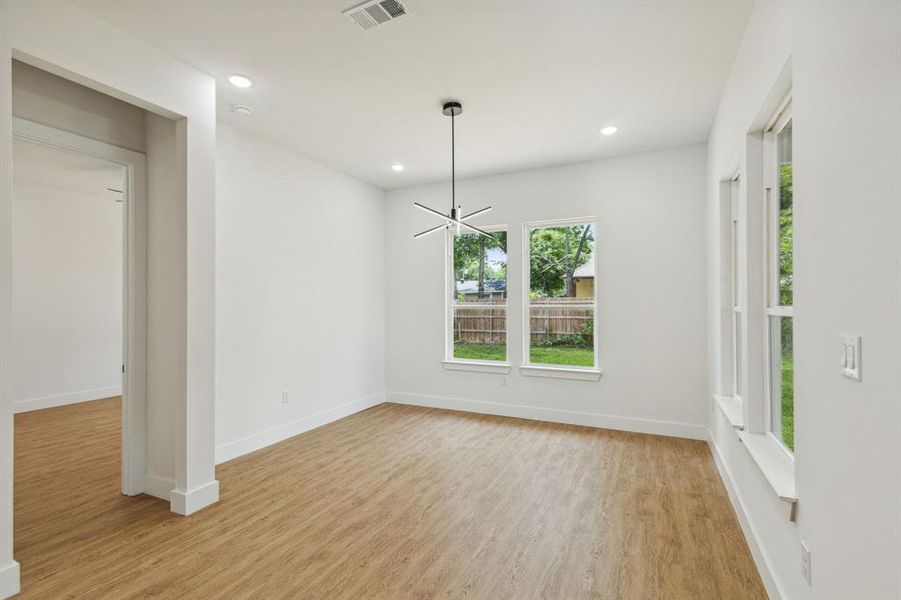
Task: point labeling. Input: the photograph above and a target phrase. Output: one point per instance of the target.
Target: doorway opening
(79, 316)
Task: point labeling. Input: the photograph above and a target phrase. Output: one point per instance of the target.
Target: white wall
(67, 280)
(650, 254)
(300, 293)
(166, 299)
(846, 66)
(60, 38)
(50, 100)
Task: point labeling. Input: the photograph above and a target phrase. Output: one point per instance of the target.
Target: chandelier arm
(428, 231)
(468, 226)
(431, 210)
(475, 214)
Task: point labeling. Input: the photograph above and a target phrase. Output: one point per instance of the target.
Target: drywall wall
(846, 85)
(166, 297)
(44, 98)
(66, 41)
(300, 293)
(650, 255)
(67, 278)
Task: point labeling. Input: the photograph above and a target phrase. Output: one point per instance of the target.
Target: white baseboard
(186, 503)
(277, 434)
(9, 580)
(553, 415)
(158, 487)
(20, 406)
(760, 559)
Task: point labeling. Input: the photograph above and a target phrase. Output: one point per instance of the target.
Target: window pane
(786, 216)
(782, 380)
(561, 295)
(479, 301)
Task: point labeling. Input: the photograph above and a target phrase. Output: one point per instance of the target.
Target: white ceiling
(537, 78)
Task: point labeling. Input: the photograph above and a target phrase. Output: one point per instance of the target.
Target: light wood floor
(394, 502)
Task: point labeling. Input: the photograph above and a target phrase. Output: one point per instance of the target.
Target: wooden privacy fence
(485, 321)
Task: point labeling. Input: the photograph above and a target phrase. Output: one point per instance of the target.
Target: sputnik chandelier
(456, 216)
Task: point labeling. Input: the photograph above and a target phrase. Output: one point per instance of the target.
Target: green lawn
(788, 402)
(480, 351)
(562, 355)
(557, 355)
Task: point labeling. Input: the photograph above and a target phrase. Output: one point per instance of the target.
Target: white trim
(189, 502)
(9, 580)
(476, 366)
(449, 287)
(760, 557)
(732, 409)
(29, 404)
(554, 415)
(158, 487)
(776, 465)
(245, 445)
(525, 259)
(585, 374)
(134, 354)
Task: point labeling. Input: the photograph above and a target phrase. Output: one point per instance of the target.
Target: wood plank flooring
(393, 502)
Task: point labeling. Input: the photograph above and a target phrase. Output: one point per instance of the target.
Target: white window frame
(457, 364)
(773, 308)
(545, 370)
(736, 257)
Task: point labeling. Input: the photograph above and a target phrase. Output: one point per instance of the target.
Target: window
(561, 301)
(779, 274)
(477, 315)
(735, 287)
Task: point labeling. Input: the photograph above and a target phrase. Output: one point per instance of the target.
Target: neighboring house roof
(586, 271)
(492, 286)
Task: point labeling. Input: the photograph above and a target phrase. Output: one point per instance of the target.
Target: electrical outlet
(850, 357)
(284, 396)
(805, 562)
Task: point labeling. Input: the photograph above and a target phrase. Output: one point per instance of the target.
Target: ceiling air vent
(375, 12)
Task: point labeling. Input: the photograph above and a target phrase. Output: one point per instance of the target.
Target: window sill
(777, 467)
(561, 372)
(474, 366)
(732, 409)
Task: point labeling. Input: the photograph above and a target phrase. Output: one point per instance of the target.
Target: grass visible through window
(557, 355)
(788, 402)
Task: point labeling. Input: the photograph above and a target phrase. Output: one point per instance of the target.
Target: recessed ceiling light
(240, 81)
(244, 111)
(397, 168)
(609, 130)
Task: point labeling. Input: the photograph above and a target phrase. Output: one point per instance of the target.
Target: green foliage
(480, 351)
(788, 402)
(786, 234)
(566, 341)
(556, 252)
(472, 260)
(574, 357)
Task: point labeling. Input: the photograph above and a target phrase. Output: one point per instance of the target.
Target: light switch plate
(850, 358)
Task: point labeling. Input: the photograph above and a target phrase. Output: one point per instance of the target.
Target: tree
(555, 254)
(471, 258)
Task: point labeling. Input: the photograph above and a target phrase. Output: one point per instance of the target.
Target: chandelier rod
(453, 166)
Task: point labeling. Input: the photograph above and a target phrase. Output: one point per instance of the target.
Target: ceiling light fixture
(240, 81)
(609, 130)
(456, 216)
(242, 110)
(397, 168)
